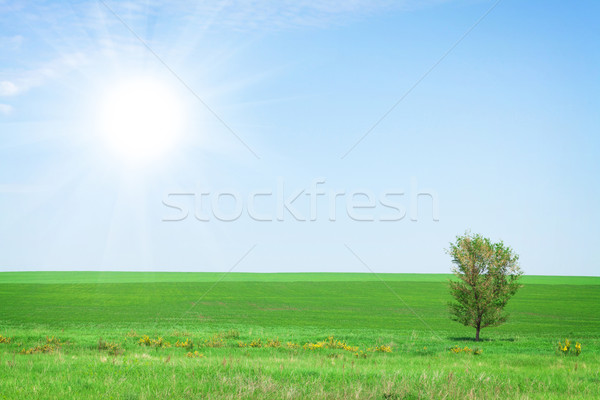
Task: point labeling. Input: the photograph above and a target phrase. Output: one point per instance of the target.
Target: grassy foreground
(268, 336)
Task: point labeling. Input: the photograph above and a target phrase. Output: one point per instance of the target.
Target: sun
(141, 120)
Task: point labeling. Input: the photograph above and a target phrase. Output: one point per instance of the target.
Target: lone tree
(488, 275)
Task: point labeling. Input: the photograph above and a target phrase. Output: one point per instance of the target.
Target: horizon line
(272, 272)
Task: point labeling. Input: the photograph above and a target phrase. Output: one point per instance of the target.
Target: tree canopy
(488, 276)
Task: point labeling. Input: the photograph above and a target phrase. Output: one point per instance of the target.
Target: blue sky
(502, 134)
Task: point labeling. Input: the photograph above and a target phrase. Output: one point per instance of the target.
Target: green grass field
(293, 313)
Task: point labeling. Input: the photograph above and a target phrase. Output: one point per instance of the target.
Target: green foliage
(187, 343)
(146, 340)
(51, 345)
(230, 334)
(518, 358)
(488, 276)
(466, 350)
(330, 343)
(273, 343)
(113, 349)
(194, 354)
(214, 341)
(566, 349)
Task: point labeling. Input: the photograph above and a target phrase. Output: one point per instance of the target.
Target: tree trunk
(478, 328)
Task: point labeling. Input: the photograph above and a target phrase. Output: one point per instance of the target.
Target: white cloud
(11, 42)
(17, 188)
(281, 14)
(264, 14)
(25, 80)
(87, 29)
(8, 88)
(6, 109)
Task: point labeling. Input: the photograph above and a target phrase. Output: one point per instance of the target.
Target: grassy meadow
(127, 335)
